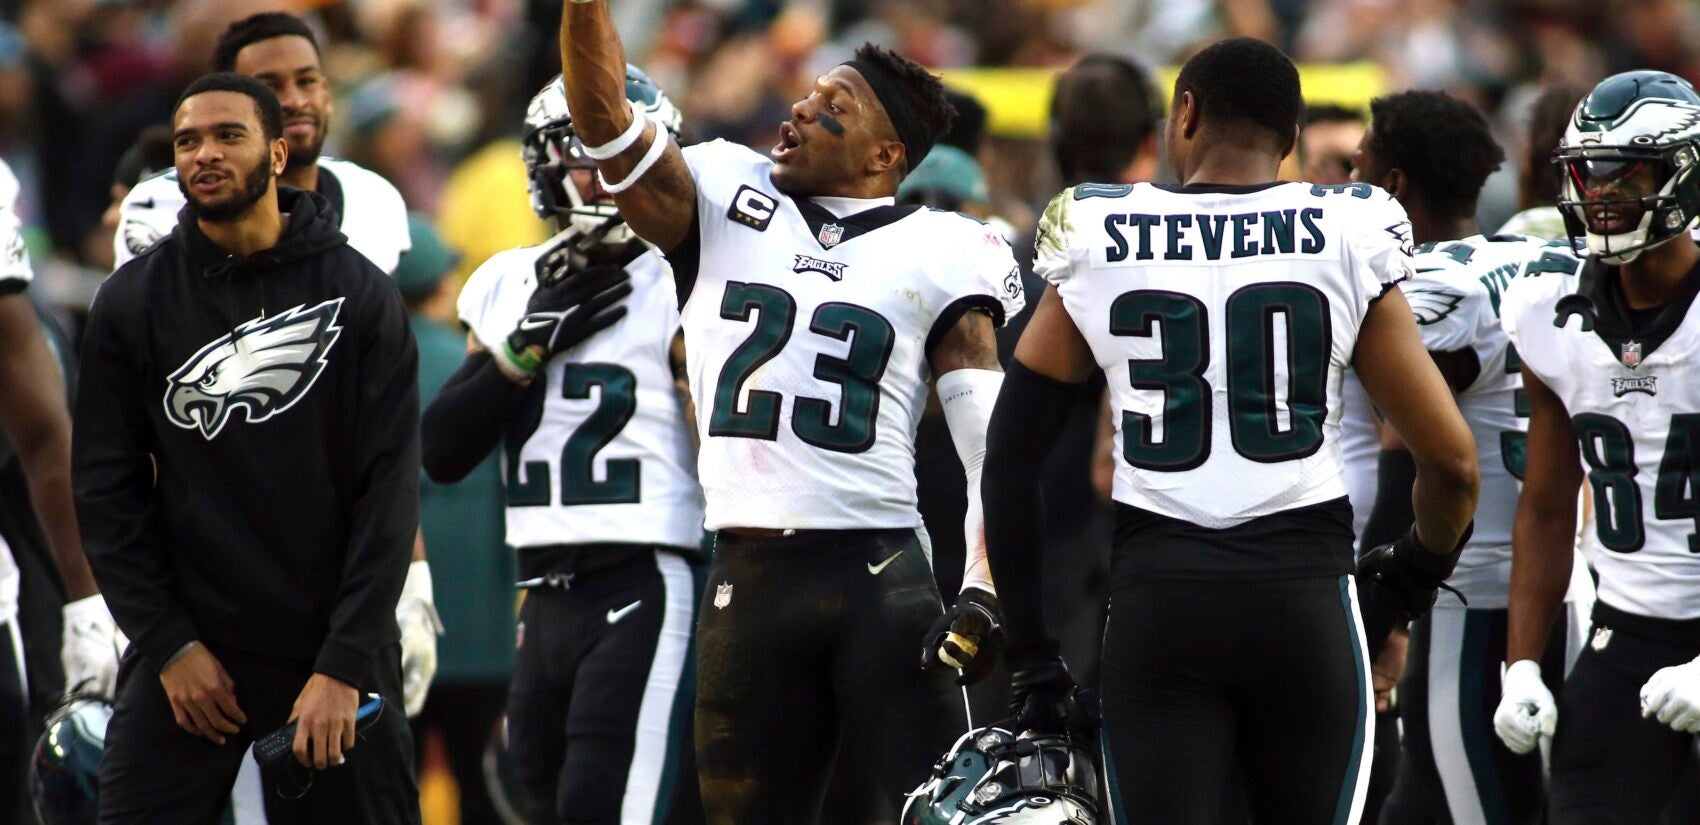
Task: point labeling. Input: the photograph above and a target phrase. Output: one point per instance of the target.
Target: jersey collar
(830, 230)
(1613, 323)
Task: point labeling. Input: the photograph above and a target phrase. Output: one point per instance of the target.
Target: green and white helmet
(1631, 164)
(551, 149)
(994, 776)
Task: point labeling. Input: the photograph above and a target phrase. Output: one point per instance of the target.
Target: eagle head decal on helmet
(261, 369)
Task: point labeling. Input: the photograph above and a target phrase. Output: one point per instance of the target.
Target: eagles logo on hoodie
(261, 368)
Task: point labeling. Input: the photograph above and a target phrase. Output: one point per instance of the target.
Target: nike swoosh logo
(145, 204)
(876, 569)
(616, 615)
(536, 323)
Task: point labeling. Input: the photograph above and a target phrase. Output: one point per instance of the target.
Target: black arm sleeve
(1392, 515)
(385, 515)
(112, 476)
(467, 418)
(1029, 416)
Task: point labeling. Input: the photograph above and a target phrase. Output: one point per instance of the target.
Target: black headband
(917, 141)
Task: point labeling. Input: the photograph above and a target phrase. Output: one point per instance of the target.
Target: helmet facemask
(551, 154)
(551, 150)
(1626, 200)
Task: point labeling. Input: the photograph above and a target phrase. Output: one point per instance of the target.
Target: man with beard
(280, 51)
(245, 462)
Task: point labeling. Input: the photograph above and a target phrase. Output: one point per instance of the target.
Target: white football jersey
(1224, 319)
(1456, 298)
(15, 272)
(371, 210)
(604, 456)
(807, 331)
(1635, 408)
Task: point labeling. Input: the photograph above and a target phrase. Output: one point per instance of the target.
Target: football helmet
(552, 149)
(1630, 162)
(65, 768)
(992, 775)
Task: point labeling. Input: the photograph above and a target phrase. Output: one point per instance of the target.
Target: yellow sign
(1018, 101)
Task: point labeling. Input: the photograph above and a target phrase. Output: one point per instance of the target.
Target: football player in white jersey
(37, 424)
(816, 314)
(1224, 312)
(1433, 153)
(1608, 342)
(603, 504)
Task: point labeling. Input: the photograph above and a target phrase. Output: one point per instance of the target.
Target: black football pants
(1270, 676)
(1610, 765)
(806, 642)
(599, 709)
(155, 772)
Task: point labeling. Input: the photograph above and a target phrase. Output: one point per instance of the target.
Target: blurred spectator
(1331, 133)
(1539, 177)
(463, 528)
(1104, 116)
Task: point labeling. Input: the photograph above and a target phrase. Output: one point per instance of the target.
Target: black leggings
(1201, 676)
(806, 641)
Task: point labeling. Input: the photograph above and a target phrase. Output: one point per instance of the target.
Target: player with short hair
(1224, 312)
(1433, 152)
(816, 312)
(603, 503)
(1607, 340)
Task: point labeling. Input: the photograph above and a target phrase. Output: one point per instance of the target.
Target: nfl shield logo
(722, 596)
(1631, 353)
(1602, 637)
(830, 235)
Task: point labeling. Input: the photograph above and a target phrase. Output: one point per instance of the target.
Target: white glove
(91, 646)
(416, 614)
(1673, 695)
(1527, 714)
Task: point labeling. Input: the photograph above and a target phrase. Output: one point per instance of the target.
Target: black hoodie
(277, 396)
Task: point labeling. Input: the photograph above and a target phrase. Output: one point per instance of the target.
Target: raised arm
(659, 201)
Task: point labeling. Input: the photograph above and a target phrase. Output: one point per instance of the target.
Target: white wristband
(656, 147)
(624, 141)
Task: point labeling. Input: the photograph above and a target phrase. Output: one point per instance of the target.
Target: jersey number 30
(1259, 390)
(871, 339)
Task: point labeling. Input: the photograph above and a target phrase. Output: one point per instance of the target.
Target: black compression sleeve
(467, 418)
(1396, 474)
(1029, 416)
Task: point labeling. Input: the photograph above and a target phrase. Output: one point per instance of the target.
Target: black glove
(967, 637)
(1399, 582)
(559, 317)
(1044, 697)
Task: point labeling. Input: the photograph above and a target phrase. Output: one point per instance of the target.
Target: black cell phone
(280, 744)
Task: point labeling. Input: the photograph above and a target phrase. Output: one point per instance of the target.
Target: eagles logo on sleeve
(1430, 305)
(261, 368)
